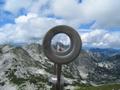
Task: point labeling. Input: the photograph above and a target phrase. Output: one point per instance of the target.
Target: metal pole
(57, 71)
(59, 86)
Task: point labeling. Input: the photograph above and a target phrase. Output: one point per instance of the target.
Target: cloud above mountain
(41, 15)
(101, 38)
(27, 29)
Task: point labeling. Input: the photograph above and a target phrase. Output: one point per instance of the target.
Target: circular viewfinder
(62, 44)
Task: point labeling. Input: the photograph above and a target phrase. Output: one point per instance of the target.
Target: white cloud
(101, 39)
(62, 38)
(27, 28)
(105, 13)
(66, 8)
(15, 5)
(38, 5)
(31, 27)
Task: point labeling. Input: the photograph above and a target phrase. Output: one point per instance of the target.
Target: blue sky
(26, 21)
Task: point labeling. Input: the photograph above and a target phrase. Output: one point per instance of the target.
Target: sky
(27, 21)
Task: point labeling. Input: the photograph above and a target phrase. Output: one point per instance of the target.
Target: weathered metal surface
(71, 53)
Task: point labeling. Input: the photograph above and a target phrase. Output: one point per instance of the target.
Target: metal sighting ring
(71, 53)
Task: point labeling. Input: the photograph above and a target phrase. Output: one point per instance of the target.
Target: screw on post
(58, 54)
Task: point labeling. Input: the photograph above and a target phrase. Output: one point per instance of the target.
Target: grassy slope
(103, 87)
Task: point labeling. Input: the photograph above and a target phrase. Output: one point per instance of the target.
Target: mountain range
(26, 67)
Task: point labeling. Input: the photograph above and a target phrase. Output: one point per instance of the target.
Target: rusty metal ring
(71, 53)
